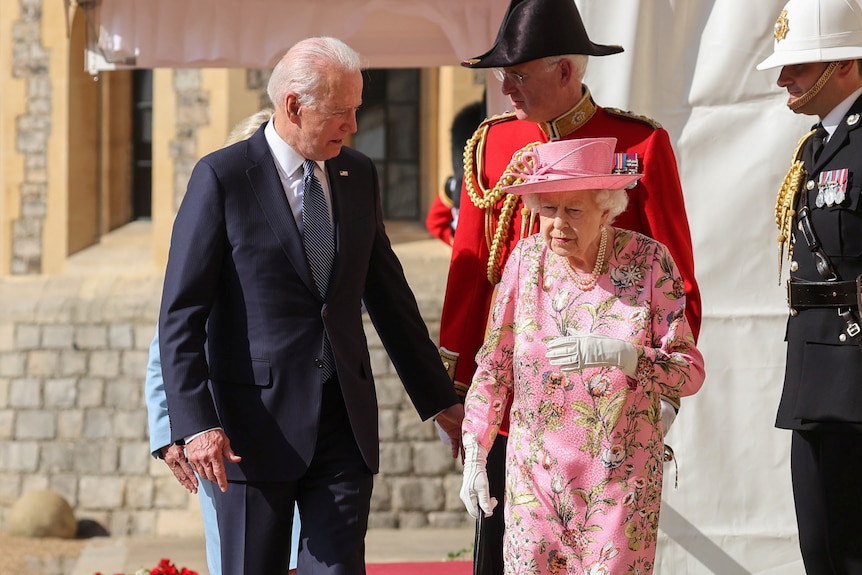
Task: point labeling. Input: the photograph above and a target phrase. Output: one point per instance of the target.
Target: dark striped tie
(319, 245)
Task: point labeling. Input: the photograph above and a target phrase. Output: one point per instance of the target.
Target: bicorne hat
(534, 29)
(816, 31)
(566, 166)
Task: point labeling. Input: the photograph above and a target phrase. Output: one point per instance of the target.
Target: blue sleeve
(294, 539)
(157, 403)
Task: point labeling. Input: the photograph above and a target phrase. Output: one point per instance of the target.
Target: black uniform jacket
(823, 379)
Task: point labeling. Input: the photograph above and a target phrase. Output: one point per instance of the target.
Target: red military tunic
(439, 219)
(656, 208)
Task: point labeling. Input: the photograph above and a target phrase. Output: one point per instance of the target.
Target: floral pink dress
(585, 449)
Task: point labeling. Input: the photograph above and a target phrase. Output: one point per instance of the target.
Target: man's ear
(566, 70)
(292, 106)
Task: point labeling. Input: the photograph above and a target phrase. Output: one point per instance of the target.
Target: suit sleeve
(393, 310)
(198, 243)
(665, 219)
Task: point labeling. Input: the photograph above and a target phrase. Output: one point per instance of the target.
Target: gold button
(794, 266)
(842, 338)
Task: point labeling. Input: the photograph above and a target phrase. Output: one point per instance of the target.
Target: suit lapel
(267, 188)
(336, 173)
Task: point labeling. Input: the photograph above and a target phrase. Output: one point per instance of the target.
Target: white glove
(578, 351)
(668, 415)
(474, 488)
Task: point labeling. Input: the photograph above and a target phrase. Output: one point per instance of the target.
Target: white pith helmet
(816, 31)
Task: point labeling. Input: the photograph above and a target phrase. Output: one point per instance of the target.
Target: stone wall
(30, 63)
(73, 352)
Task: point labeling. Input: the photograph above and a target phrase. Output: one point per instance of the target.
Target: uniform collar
(833, 119)
(577, 116)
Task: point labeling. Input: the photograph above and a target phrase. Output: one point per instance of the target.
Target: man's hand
(449, 420)
(206, 453)
(175, 458)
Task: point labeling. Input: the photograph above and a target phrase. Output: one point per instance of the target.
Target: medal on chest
(831, 188)
(625, 163)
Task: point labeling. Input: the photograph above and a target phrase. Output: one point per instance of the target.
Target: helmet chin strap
(815, 89)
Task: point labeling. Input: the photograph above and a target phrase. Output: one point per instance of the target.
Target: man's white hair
(306, 66)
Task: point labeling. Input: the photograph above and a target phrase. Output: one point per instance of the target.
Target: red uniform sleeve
(665, 218)
(656, 204)
(439, 219)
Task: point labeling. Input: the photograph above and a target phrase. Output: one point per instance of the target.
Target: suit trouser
(826, 469)
(488, 552)
(334, 499)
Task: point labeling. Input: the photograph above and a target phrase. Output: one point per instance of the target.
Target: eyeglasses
(515, 77)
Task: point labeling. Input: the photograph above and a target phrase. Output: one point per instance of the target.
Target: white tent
(690, 65)
(255, 33)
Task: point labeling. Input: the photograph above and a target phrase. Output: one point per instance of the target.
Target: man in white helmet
(818, 44)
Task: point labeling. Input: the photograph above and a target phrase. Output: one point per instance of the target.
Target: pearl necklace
(588, 282)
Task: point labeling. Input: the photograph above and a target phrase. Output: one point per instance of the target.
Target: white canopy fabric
(255, 33)
(689, 64)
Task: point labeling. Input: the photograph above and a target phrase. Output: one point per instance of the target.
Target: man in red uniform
(540, 55)
(442, 216)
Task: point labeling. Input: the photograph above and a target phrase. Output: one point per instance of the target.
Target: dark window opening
(142, 144)
(388, 132)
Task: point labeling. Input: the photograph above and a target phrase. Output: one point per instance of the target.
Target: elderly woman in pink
(588, 337)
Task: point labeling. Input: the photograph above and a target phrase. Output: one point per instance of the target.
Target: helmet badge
(781, 26)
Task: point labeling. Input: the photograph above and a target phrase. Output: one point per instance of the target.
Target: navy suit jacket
(242, 324)
(823, 378)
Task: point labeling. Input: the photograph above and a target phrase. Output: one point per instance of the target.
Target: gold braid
(785, 202)
(485, 199)
(482, 199)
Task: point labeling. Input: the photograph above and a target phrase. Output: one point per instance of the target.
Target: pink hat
(568, 165)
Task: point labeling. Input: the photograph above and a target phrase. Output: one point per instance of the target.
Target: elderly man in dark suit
(278, 241)
(818, 44)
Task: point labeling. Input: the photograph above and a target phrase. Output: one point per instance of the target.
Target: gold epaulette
(785, 202)
(474, 151)
(632, 116)
(498, 118)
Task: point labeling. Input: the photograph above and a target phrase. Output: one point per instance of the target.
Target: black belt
(803, 295)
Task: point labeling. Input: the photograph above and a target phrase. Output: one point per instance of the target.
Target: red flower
(165, 567)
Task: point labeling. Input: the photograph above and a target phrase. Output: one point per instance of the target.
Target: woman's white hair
(612, 201)
(305, 68)
(248, 126)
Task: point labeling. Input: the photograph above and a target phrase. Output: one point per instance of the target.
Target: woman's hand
(577, 351)
(474, 488)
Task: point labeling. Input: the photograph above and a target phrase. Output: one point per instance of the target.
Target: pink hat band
(568, 165)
